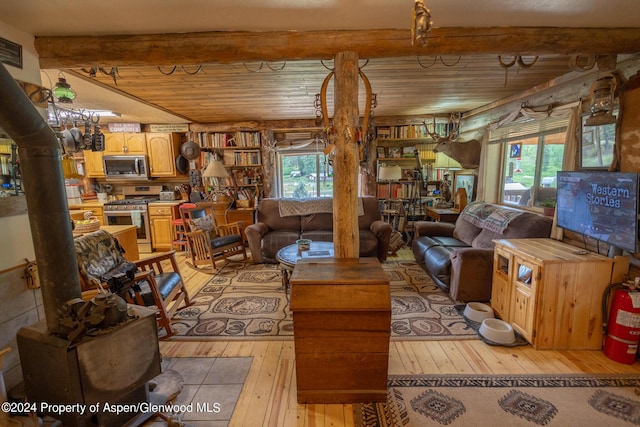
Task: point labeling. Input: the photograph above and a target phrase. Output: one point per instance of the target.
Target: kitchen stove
(132, 210)
(130, 204)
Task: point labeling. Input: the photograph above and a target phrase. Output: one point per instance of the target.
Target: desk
(245, 216)
(342, 327)
(442, 215)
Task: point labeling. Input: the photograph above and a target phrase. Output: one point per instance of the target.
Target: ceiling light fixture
(421, 23)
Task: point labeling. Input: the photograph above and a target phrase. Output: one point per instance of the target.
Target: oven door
(139, 218)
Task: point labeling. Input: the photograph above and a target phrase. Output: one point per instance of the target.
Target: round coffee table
(290, 255)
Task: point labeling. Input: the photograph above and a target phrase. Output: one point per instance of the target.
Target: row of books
(229, 139)
(410, 131)
(398, 190)
(242, 158)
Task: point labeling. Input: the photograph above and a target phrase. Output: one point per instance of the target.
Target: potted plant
(548, 207)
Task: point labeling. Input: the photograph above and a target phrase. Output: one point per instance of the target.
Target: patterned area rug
(505, 400)
(248, 301)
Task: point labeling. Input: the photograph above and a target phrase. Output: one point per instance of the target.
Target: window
(533, 153)
(596, 148)
(305, 174)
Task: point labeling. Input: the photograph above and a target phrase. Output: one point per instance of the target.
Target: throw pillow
(395, 242)
(205, 223)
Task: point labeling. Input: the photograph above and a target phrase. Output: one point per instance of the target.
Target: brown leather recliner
(459, 257)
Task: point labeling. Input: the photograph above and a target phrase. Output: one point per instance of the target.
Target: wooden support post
(346, 236)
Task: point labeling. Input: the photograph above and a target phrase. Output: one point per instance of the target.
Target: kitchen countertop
(167, 202)
(85, 205)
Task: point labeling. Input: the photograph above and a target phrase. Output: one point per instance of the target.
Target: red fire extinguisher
(623, 328)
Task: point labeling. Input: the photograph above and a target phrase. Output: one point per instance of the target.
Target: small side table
(442, 215)
(290, 255)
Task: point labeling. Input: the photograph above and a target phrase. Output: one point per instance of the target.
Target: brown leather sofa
(459, 257)
(271, 232)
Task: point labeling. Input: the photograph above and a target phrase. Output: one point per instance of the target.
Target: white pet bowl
(497, 331)
(477, 311)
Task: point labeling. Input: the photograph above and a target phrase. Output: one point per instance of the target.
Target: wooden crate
(342, 327)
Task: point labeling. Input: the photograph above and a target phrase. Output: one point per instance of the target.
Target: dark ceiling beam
(238, 46)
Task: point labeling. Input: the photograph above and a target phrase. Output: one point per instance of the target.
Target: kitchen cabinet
(161, 216)
(162, 149)
(119, 143)
(93, 167)
(551, 293)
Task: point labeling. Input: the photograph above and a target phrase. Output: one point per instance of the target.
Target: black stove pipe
(43, 183)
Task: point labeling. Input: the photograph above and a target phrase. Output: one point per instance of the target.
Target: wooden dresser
(551, 292)
(342, 327)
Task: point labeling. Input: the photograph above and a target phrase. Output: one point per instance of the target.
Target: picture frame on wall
(468, 182)
(515, 150)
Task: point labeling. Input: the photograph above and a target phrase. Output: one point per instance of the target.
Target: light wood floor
(269, 394)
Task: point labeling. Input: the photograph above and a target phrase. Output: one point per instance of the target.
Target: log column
(346, 236)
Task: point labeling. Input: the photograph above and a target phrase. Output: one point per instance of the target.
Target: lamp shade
(389, 173)
(445, 162)
(215, 169)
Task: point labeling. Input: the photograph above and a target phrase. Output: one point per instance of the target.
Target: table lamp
(215, 169)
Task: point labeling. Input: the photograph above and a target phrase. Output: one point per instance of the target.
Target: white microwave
(125, 167)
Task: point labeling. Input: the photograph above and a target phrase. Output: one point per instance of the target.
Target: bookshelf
(398, 145)
(405, 145)
(241, 154)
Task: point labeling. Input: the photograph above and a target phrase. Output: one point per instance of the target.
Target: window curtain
(480, 190)
(528, 121)
(570, 158)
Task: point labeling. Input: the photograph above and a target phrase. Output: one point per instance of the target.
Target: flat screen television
(601, 205)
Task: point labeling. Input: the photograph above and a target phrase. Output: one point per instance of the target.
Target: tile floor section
(208, 380)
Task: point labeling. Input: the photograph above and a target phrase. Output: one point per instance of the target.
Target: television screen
(602, 205)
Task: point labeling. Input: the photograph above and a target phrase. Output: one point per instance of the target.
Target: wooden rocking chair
(156, 280)
(207, 241)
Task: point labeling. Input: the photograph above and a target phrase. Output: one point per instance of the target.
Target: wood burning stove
(112, 368)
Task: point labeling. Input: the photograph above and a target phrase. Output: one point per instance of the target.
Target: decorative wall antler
(452, 128)
(321, 102)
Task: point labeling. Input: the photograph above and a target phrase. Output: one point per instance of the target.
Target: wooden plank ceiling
(254, 90)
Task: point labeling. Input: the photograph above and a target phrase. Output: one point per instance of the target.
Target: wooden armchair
(154, 281)
(207, 240)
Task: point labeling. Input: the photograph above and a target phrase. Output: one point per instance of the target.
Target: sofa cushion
(269, 213)
(527, 225)
(275, 240)
(449, 241)
(421, 245)
(465, 231)
(318, 221)
(371, 207)
(318, 235)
